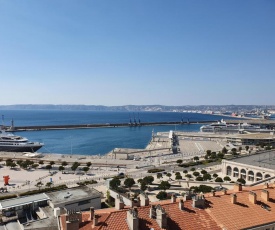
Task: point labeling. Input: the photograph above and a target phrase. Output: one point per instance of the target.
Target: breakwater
(106, 125)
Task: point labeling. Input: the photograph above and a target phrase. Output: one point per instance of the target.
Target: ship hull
(14, 148)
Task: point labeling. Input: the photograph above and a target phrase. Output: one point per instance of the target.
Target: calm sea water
(97, 140)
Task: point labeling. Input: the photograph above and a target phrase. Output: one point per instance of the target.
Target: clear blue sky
(120, 52)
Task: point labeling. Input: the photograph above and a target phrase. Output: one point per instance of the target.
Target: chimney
(132, 219)
(265, 195)
(72, 220)
(144, 200)
(92, 213)
(119, 204)
(252, 196)
(153, 212)
(161, 217)
(95, 220)
(135, 203)
(233, 198)
(224, 191)
(198, 201)
(181, 205)
(237, 187)
(173, 198)
(266, 185)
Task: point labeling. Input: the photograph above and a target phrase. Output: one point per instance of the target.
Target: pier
(106, 125)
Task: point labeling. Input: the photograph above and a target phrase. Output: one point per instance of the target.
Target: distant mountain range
(159, 108)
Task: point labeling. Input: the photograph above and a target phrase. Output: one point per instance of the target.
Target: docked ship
(222, 127)
(13, 143)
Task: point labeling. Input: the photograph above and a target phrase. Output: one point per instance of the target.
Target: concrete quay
(106, 125)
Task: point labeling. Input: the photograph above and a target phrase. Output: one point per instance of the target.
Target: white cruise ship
(229, 128)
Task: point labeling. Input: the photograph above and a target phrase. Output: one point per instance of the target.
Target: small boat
(13, 143)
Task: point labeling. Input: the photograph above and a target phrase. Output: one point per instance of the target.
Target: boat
(13, 143)
(230, 128)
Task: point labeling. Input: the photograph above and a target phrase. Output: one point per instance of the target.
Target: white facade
(248, 172)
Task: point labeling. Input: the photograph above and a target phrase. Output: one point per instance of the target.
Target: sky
(106, 52)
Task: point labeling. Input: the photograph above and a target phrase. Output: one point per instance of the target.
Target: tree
(226, 178)
(159, 175)
(246, 148)
(179, 161)
(19, 162)
(41, 162)
(162, 195)
(89, 164)
(24, 165)
(240, 148)
(234, 151)
(178, 177)
(114, 183)
(218, 179)
(86, 169)
(12, 165)
(9, 162)
(196, 174)
(64, 163)
(39, 184)
(203, 171)
(148, 180)
(52, 163)
(140, 181)
(199, 178)
(75, 166)
(49, 167)
(241, 180)
(164, 185)
(208, 153)
(215, 175)
(220, 155)
(185, 171)
(129, 182)
(206, 176)
(169, 175)
(193, 169)
(61, 168)
(202, 188)
(213, 155)
(143, 186)
(224, 150)
(48, 184)
(196, 158)
(188, 176)
(34, 166)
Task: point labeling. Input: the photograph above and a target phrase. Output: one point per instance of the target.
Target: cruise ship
(220, 127)
(14, 143)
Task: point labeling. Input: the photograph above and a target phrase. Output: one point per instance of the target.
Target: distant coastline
(140, 108)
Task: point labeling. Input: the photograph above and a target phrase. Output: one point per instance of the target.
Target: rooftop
(243, 214)
(73, 194)
(10, 203)
(189, 218)
(263, 159)
(219, 213)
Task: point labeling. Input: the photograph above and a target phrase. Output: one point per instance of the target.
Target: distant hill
(160, 108)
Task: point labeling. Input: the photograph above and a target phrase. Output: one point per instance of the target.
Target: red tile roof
(190, 218)
(219, 213)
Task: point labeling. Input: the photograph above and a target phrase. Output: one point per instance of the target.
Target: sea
(97, 141)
